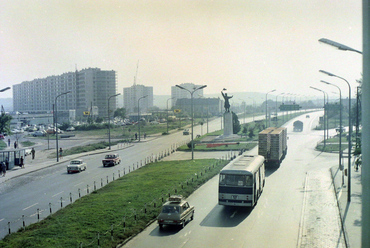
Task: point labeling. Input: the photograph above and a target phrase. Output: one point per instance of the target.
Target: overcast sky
(243, 46)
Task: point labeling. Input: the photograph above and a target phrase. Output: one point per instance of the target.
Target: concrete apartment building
(203, 107)
(131, 96)
(177, 93)
(90, 89)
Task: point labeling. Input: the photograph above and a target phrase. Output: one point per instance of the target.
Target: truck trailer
(272, 144)
(298, 126)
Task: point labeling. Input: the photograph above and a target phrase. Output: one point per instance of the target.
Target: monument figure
(227, 103)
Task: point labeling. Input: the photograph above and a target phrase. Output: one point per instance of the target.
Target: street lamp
(192, 115)
(349, 132)
(56, 122)
(7, 88)
(340, 127)
(338, 45)
(276, 108)
(324, 112)
(167, 111)
(266, 105)
(138, 110)
(109, 117)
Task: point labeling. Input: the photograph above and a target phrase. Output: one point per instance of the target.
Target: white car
(76, 165)
(69, 129)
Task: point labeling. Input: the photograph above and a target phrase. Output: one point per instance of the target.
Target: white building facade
(131, 96)
(177, 93)
(89, 89)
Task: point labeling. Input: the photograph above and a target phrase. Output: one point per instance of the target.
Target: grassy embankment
(115, 206)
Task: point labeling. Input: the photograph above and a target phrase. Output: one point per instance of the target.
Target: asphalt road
(32, 195)
(297, 207)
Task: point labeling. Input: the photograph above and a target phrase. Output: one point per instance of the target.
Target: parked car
(111, 159)
(186, 132)
(76, 165)
(38, 133)
(69, 129)
(2, 136)
(176, 211)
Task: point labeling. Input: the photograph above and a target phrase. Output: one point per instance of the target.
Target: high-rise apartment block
(177, 93)
(89, 90)
(132, 95)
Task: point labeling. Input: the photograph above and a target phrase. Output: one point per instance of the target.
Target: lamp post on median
(167, 111)
(324, 112)
(109, 118)
(138, 110)
(349, 132)
(340, 127)
(192, 115)
(266, 105)
(56, 122)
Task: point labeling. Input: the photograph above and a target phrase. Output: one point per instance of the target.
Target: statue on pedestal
(227, 103)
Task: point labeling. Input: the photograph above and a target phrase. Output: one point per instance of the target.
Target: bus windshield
(236, 180)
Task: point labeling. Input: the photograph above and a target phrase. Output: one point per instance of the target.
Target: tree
(5, 123)
(251, 132)
(120, 112)
(99, 120)
(245, 129)
(236, 123)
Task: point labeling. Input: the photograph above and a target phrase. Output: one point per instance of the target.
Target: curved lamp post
(266, 105)
(349, 132)
(192, 115)
(56, 121)
(138, 110)
(167, 111)
(7, 88)
(324, 112)
(338, 45)
(109, 117)
(276, 108)
(340, 127)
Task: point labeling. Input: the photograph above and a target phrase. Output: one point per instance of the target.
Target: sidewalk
(351, 212)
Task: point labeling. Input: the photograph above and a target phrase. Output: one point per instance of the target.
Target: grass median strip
(119, 210)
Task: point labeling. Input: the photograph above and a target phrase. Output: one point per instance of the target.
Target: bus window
(236, 180)
(248, 181)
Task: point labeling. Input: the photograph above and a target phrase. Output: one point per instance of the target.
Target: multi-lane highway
(33, 194)
(278, 220)
(296, 209)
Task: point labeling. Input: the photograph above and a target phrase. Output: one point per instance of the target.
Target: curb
(333, 171)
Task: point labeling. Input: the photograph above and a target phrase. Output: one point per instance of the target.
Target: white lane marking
(78, 184)
(58, 193)
(30, 206)
(2, 219)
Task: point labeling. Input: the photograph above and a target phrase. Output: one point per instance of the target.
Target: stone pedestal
(228, 124)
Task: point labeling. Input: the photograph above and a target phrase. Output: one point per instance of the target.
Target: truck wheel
(160, 226)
